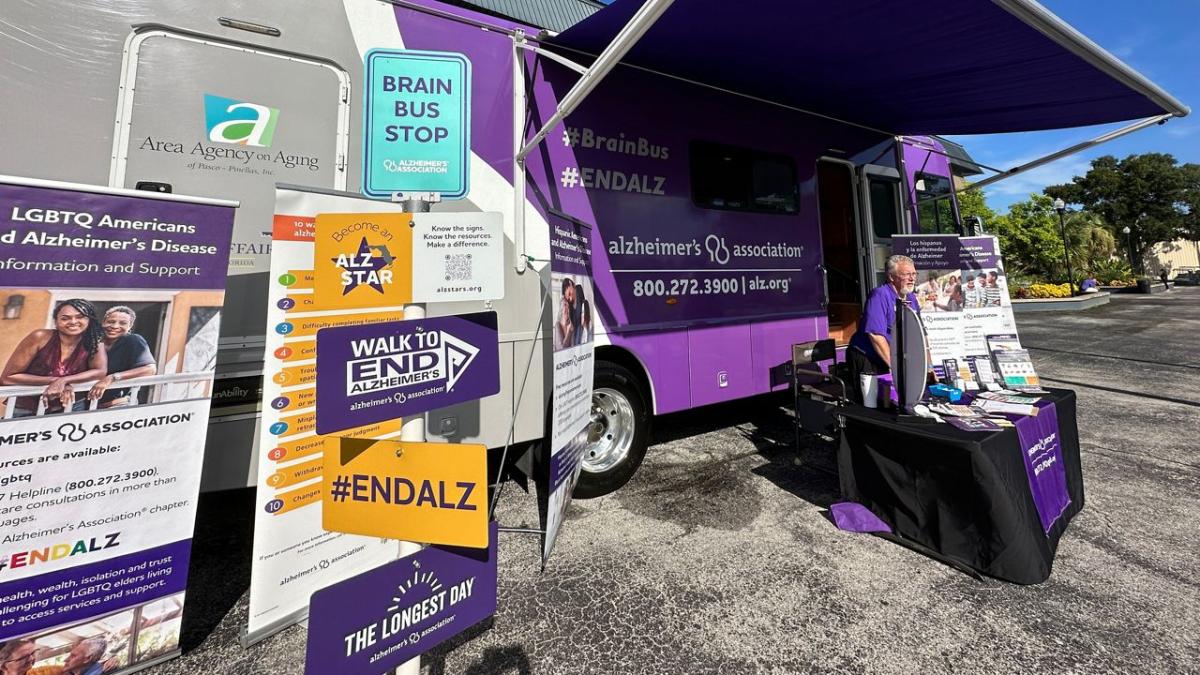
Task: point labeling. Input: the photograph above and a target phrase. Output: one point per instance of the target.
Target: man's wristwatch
(116, 377)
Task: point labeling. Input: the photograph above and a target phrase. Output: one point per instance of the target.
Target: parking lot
(718, 556)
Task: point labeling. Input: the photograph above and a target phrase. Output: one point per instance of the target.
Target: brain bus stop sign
(417, 123)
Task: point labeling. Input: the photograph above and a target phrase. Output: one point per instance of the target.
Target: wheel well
(625, 358)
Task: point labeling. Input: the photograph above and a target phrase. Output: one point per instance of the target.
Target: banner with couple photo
(963, 292)
(571, 295)
(111, 313)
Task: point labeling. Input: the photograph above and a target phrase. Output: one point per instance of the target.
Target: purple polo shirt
(879, 316)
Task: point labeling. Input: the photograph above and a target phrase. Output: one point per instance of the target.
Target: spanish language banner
(112, 306)
(293, 555)
(571, 400)
(963, 292)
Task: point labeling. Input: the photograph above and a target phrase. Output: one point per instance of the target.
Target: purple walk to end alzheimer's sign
(373, 622)
(384, 371)
(1041, 448)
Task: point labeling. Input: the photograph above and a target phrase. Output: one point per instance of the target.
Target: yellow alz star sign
(432, 493)
(362, 260)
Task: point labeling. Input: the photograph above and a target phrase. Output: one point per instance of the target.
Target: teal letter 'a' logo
(230, 121)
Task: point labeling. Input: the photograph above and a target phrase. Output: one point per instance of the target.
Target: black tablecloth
(962, 494)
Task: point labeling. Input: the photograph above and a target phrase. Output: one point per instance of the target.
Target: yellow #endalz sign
(362, 260)
(432, 493)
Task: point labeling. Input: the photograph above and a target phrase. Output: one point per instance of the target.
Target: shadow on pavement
(510, 660)
(220, 566)
(801, 463)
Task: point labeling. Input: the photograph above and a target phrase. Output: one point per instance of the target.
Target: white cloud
(1035, 180)
(1180, 130)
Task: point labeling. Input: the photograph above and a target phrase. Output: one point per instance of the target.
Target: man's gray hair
(895, 261)
(96, 645)
(125, 310)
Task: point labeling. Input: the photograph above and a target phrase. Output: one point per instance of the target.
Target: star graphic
(373, 264)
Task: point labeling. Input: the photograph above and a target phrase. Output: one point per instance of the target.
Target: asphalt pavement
(718, 557)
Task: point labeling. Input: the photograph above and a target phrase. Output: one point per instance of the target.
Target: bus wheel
(617, 434)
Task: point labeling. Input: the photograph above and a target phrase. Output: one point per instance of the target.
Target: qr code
(458, 266)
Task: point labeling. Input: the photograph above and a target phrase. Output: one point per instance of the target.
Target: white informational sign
(293, 555)
(573, 314)
(112, 299)
(457, 257)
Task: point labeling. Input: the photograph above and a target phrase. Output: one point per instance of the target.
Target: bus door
(880, 191)
(200, 115)
(842, 252)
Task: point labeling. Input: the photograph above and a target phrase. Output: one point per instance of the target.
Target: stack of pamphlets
(992, 402)
(1016, 370)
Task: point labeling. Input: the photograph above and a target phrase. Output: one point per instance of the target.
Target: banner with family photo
(112, 305)
(963, 293)
(572, 313)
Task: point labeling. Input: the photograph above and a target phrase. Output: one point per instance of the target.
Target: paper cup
(870, 390)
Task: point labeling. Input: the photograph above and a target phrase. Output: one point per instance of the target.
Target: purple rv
(718, 244)
(744, 167)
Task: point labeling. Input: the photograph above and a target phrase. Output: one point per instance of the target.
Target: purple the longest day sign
(383, 371)
(380, 619)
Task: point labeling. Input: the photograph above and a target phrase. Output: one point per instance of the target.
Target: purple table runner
(1041, 449)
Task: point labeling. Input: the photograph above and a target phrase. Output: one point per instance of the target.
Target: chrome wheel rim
(610, 432)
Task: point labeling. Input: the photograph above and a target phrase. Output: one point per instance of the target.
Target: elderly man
(870, 351)
(83, 659)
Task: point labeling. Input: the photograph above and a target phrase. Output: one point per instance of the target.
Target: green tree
(1032, 241)
(1145, 193)
(1029, 238)
(1092, 244)
(972, 203)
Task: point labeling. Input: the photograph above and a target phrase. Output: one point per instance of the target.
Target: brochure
(1016, 368)
(974, 424)
(1006, 408)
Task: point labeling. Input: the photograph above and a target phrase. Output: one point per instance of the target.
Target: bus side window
(884, 218)
(739, 179)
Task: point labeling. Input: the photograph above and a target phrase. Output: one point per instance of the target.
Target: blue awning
(930, 67)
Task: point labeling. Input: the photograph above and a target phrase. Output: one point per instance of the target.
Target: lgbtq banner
(112, 307)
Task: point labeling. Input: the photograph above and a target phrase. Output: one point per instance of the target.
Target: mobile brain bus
(726, 226)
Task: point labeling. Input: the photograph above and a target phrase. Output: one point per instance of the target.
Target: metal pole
(1062, 226)
(518, 166)
(413, 429)
(641, 22)
(1104, 138)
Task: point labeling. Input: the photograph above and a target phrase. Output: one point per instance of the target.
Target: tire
(619, 432)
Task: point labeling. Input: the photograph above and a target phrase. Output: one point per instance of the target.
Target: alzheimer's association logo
(231, 121)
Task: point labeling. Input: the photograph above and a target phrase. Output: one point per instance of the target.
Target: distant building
(1176, 257)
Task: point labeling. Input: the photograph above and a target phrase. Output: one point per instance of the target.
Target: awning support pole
(518, 167)
(645, 17)
(1104, 138)
(589, 78)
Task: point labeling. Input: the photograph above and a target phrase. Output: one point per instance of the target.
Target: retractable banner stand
(293, 554)
(112, 306)
(963, 293)
(573, 315)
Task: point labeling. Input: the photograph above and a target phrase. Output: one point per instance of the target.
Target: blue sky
(1158, 38)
